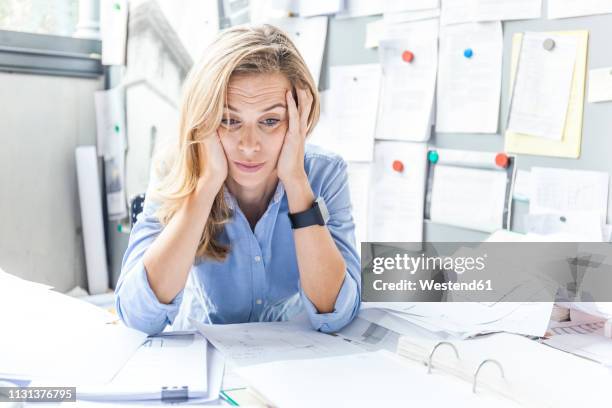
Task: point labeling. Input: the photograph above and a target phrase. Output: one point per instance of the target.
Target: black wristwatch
(315, 215)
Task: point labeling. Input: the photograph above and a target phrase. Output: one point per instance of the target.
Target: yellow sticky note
(569, 145)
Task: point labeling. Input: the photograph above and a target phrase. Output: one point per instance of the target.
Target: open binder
(515, 367)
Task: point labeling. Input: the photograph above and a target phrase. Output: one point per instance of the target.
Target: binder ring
(488, 360)
(429, 363)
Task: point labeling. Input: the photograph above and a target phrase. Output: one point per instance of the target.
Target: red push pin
(408, 56)
(398, 166)
(502, 160)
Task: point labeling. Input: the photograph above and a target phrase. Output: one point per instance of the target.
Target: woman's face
(253, 127)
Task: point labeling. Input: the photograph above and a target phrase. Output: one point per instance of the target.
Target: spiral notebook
(515, 367)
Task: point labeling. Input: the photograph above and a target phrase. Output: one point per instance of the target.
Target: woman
(235, 230)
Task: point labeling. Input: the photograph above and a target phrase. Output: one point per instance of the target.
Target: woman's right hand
(214, 162)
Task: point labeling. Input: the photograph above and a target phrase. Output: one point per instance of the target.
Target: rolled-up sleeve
(135, 302)
(335, 192)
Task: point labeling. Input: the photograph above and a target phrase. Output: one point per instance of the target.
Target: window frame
(44, 54)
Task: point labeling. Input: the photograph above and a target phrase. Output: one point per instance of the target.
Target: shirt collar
(232, 202)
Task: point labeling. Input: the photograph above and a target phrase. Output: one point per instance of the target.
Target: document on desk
(353, 93)
(600, 85)
(569, 145)
(469, 88)
(53, 336)
(370, 379)
(409, 68)
(574, 8)
(308, 35)
(359, 179)
(162, 361)
(397, 192)
(113, 30)
(254, 343)
(468, 197)
(541, 94)
(465, 11)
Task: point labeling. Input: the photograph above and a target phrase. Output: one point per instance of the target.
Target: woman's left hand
(290, 165)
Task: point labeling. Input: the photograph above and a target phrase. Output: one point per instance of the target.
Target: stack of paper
(53, 336)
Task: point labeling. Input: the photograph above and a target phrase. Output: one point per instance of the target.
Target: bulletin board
(342, 48)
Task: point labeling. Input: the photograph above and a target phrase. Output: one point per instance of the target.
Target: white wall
(42, 120)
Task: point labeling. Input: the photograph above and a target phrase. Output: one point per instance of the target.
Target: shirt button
(257, 258)
(258, 301)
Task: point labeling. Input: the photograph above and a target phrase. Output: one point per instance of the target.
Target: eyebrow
(281, 105)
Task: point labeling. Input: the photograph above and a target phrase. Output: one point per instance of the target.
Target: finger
(293, 114)
(305, 105)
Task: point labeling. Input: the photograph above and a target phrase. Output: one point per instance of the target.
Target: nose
(250, 141)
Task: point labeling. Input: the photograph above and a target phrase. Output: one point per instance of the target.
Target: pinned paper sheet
(113, 30)
(576, 8)
(408, 85)
(600, 85)
(358, 179)
(569, 145)
(397, 192)
(308, 35)
(541, 92)
(464, 11)
(319, 7)
(354, 91)
(469, 189)
(563, 191)
(469, 78)
(360, 8)
(395, 6)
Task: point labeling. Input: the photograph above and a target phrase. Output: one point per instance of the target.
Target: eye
(270, 122)
(229, 122)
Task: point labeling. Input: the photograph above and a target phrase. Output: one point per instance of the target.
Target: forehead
(257, 88)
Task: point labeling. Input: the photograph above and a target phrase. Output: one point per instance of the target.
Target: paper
(464, 11)
(92, 219)
(360, 8)
(354, 91)
(569, 145)
(371, 379)
(394, 6)
(308, 35)
(522, 185)
(540, 98)
(111, 143)
(468, 197)
(113, 31)
(320, 7)
(578, 226)
(265, 11)
(51, 336)
(397, 192)
(162, 361)
(359, 179)
(576, 8)
(600, 85)
(255, 343)
(564, 191)
(408, 16)
(373, 33)
(409, 80)
(469, 88)
(592, 346)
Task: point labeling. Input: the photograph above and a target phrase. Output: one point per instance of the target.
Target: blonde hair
(261, 49)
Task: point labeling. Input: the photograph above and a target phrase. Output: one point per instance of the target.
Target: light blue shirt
(259, 280)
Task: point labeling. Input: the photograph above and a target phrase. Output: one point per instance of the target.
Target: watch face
(323, 209)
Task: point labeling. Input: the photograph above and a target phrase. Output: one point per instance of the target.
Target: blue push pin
(468, 53)
(433, 156)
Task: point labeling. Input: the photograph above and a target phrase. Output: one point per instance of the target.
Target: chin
(250, 180)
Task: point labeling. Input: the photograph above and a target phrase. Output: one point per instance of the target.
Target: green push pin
(117, 128)
(117, 6)
(433, 156)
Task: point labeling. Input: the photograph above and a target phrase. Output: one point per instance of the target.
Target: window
(56, 17)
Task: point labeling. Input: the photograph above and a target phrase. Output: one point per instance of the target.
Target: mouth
(249, 167)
